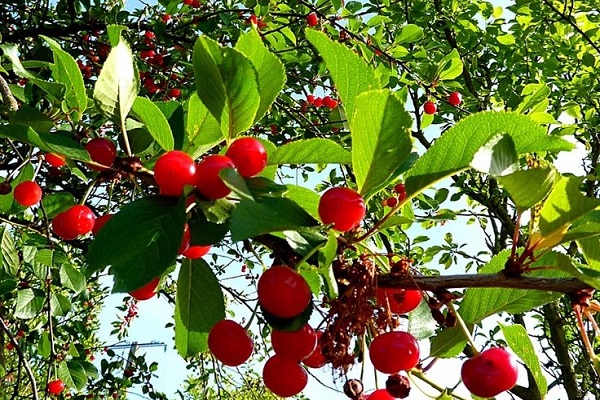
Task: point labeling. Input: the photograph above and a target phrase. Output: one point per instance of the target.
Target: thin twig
(13, 340)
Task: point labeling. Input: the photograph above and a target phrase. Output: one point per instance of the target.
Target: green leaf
(29, 303)
(54, 89)
(498, 157)
(564, 205)
(7, 202)
(90, 370)
(270, 215)
(449, 343)
(312, 277)
(226, 82)
(450, 67)
(7, 286)
(71, 278)
(203, 232)
(143, 238)
(48, 142)
(234, 181)
(156, 123)
(522, 192)
(518, 340)
(455, 149)
(507, 40)
(118, 84)
(380, 139)
(9, 254)
(327, 254)
(306, 198)
(200, 305)
(270, 72)
(349, 72)
(72, 374)
(421, 323)
(203, 130)
(66, 71)
(55, 203)
(480, 303)
(59, 305)
(409, 33)
(44, 346)
(261, 187)
(29, 116)
(114, 33)
(310, 151)
(533, 94)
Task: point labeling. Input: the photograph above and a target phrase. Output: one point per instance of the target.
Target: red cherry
(146, 292)
(229, 342)
(400, 188)
(294, 345)
(329, 102)
(318, 102)
(253, 19)
(342, 207)
(174, 93)
(380, 394)
(392, 352)
(9, 346)
(185, 240)
(28, 193)
(77, 220)
(316, 359)
(284, 377)
(310, 99)
(429, 107)
(391, 202)
(312, 19)
(455, 98)
(187, 2)
(166, 18)
(490, 373)
(283, 292)
(248, 155)
(128, 373)
(172, 171)
(56, 387)
(207, 179)
(194, 252)
(401, 301)
(103, 151)
(196, 4)
(100, 221)
(55, 160)
(149, 35)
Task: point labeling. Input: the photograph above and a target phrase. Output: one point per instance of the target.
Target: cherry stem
(247, 327)
(513, 251)
(88, 192)
(126, 139)
(583, 331)
(590, 317)
(464, 328)
(418, 374)
(310, 253)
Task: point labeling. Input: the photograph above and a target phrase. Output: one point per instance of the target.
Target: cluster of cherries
(318, 102)
(400, 191)
(454, 99)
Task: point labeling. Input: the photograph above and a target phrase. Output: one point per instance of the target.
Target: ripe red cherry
(174, 93)
(248, 155)
(392, 352)
(401, 301)
(329, 102)
(316, 359)
(196, 251)
(207, 179)
(342, 207)
(284, 377)
(56, 387)
(147, 291)
(294, 345)
(103, 151)
(166, 18)
(100, 221)
(391, 202)
(172, 171)
(283, 292)
(490, 373)
(55, 160)
(312, 19)
(229, 342)
(455, 98)
(429, 107)
(149, 35)
(28, 193)
(185, 240)
(380, 394)
(77, 220)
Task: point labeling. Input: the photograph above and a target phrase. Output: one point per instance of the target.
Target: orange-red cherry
(429, 107)
(316, 359)
(28, 193)
(380, 394)
(196, 251)
(55, 160)
(312, 19)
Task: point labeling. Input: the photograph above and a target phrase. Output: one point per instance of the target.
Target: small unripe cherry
(229, 342)
(248, 155)
(283, 292)
(28, 193)
(429, 107)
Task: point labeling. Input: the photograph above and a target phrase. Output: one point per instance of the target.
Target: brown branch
(499, 280)
(7, 96)
(23, 359)
(574, 25)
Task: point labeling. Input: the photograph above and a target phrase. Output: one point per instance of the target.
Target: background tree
(492, 93)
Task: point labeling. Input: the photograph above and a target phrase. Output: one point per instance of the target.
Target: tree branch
(7, 96)
(499, 280)
(34, 390)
